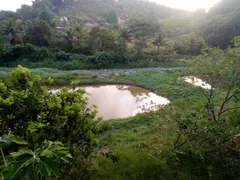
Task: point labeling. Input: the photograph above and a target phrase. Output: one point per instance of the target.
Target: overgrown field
(138, 147)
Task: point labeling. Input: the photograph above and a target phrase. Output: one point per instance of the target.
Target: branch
(210, 101)
(176, 145)
(225, 100)
(229, 109)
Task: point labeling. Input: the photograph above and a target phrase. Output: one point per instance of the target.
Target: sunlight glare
(190, 5)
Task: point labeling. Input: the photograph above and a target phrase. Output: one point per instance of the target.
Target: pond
(197, 82)
(122, 101)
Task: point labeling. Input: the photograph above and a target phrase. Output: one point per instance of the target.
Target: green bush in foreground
(30, 111)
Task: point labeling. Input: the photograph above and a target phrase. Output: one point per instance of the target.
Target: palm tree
(70, 36)
(159, 41)
(125, 35)
(13, 31)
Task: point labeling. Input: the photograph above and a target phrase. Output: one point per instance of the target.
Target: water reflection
(121, 101)
(197, 82)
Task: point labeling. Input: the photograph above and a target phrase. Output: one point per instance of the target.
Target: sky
(190, 5)
(13, 4)
(181, 4)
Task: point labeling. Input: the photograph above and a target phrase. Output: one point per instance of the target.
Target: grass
(78, 64)
(139, 145)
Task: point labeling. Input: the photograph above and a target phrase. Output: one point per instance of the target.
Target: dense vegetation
(95, 34)
(103, 34)
(45, 135)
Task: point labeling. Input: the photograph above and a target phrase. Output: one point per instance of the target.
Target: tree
(101, 39)
(70, 37)
(45, 16)
(57, 2)
(111, 17)
(74, 35)
(39, 33)
(159, 41)
(13, 31)
(26, 12)
(190, 44)
(125, 35)
(143, 29)
(212, 132)
(222, 23)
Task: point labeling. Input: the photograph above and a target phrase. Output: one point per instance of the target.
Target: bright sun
(188, 4)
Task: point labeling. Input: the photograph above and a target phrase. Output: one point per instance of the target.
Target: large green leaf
(6, 140)
(51, 166)
(44, 171)
(16, 139)
(22, 152)
(45, 161)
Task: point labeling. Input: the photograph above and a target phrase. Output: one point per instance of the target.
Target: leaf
(17, 168)
(16, 139)
(43, 170)
(4, 141)
(34, 175)
(47, 153)
(58, 143)
(22, 152)
(50, 166)
(44, 161)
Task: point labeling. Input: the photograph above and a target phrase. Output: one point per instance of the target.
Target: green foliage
(13, 31)
(111, 17)
(30, 110)
(38, 33)
(102, 59)
(29, 51)
(6, 140)
(44, 162)
(129, 165)
(159, 41)
(62, 56)
(222, 23)
(143, 29)
(81, 49)
(101, 39)
(190, 44)
(209, 133)
(121, 52)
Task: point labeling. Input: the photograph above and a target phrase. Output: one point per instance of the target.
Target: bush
(102, 59)
(28, 51)
(30, 110)
(81, 49)
(62, 56)
(41, 54)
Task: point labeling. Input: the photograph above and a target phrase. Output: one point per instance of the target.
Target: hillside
(222, 23)
(98, 10)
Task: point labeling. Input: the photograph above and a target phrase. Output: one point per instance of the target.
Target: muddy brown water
(122, 101)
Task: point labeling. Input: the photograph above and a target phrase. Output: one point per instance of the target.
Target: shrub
(102, 59)
(28, 51)
(62, 56)
(30, 110)
(81, 49)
